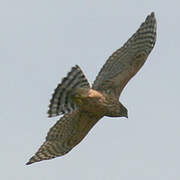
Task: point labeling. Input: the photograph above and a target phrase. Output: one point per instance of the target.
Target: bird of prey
(83, 106)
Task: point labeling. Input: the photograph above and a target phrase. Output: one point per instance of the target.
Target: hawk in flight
(83, 106)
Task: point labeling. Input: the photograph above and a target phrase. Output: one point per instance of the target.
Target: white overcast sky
(41, 40)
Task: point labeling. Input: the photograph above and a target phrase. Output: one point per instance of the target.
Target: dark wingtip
(29, 162)
(151, 19)
(152, 14)
(32, 160)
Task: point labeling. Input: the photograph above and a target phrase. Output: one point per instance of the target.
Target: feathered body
(84, 106)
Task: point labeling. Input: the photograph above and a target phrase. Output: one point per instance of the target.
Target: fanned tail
(61, 101)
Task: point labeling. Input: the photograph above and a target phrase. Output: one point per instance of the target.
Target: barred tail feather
(61, 101)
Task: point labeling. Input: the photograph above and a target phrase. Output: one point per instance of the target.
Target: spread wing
(64, 135)
(126, 61)
(61, 99)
